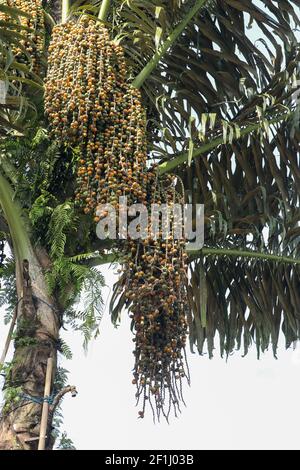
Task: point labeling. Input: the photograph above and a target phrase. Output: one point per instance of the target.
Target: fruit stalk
(104, 10)
(65, 9)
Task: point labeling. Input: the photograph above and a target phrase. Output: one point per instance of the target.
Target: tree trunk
(36, 340)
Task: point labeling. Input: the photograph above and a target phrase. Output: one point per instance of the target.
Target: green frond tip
(63, 220)
(159, 55)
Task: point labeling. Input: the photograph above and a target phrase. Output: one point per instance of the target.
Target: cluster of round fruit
(31, 42)
(156, 273)
(90, 105)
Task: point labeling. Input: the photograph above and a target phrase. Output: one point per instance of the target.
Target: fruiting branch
(170, 165)
(30, 45)
(104, 10)
(158, 56)
(109, 166)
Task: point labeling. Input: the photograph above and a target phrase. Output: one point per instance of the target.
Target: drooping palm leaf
(220, 71)
(205, 66)
(247, 302)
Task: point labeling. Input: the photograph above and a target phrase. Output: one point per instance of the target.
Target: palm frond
(214, 54)
(247, 303)
(219, 79)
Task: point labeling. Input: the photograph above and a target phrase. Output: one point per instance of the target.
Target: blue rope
(39, 400)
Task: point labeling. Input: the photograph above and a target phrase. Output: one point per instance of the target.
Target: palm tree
(222, 116)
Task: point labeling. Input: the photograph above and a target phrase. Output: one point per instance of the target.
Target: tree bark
(36, 340)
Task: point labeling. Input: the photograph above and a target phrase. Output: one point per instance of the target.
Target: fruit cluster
(91, 107)
(156, 273)
(32, 42)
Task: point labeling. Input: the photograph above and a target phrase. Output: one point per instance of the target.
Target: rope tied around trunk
(39, 400)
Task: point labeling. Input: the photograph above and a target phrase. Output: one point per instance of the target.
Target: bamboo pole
(9, 337)
(45, 410)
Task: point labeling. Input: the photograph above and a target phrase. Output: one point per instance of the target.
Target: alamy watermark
(158, 221)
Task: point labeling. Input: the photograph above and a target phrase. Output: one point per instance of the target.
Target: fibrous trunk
(35, 341)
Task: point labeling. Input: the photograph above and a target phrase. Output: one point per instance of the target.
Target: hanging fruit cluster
(155, 286)
(32, 42)
(90, 106)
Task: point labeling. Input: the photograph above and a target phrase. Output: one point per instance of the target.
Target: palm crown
(222, 115)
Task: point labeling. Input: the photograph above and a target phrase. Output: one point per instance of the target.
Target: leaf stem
(170, 165)
(65, 9)
(16, 223)
(247, 254)
(152, 64)
(104, 10)
(104, 259)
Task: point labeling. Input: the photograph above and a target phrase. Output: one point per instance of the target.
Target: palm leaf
(247, 303)
(248, 181)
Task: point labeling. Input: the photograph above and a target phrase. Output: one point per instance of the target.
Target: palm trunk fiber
(35, 341)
